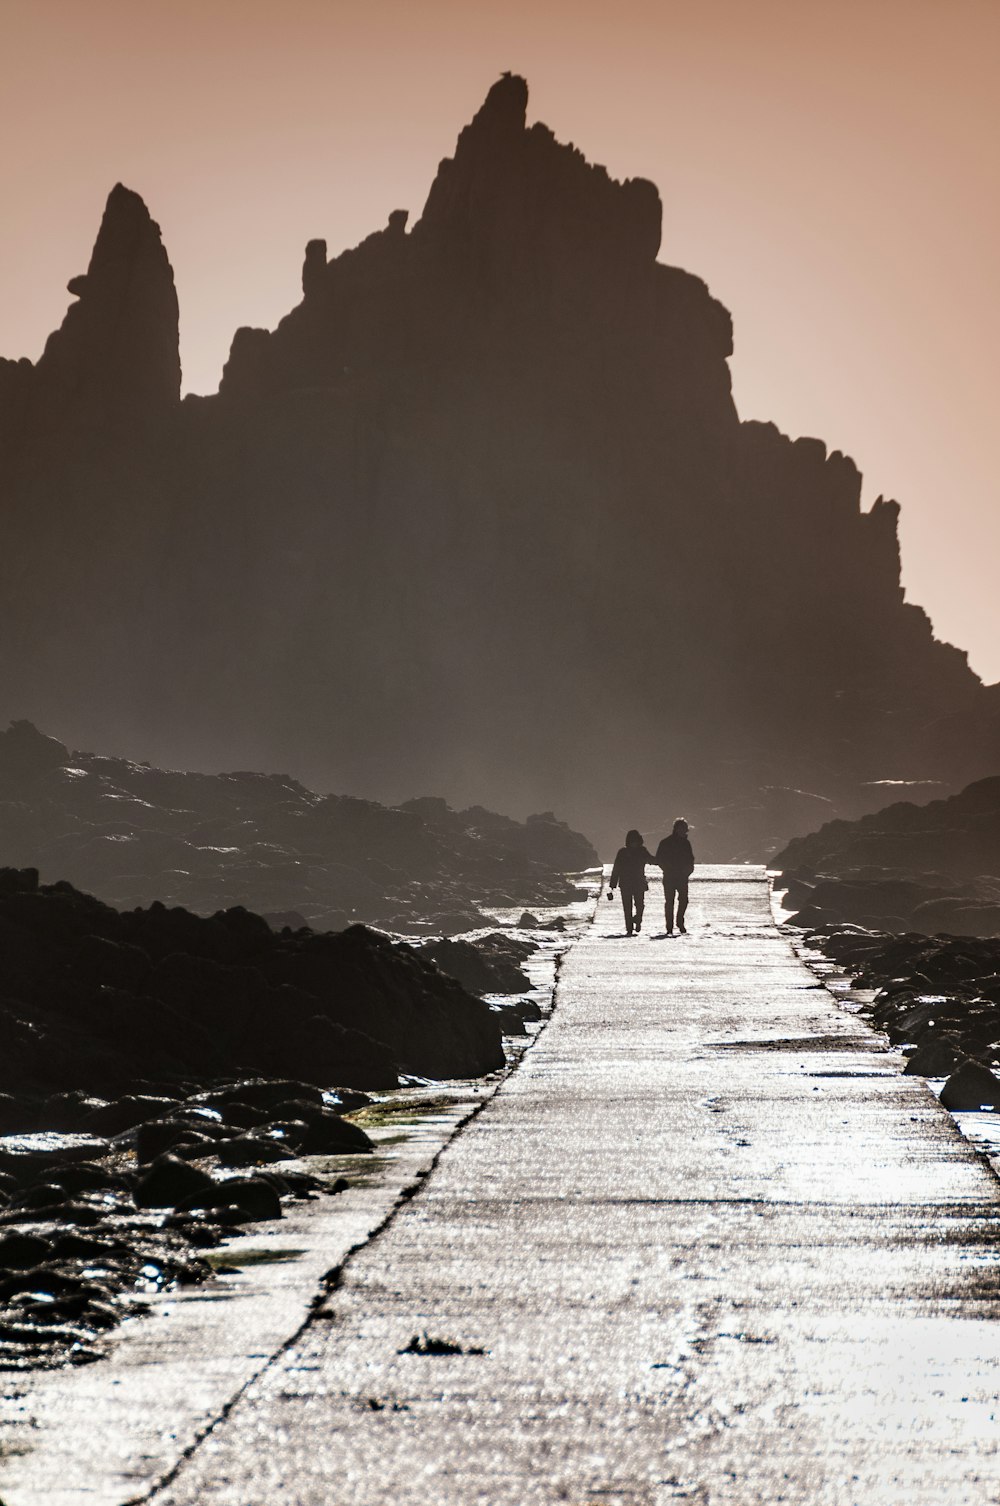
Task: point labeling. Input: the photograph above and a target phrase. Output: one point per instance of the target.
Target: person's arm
(690, 862)
(615, 873)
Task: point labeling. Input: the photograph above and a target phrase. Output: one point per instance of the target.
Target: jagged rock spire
(116, 353)
(515, 188)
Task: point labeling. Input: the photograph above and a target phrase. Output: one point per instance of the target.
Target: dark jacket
(629, 871)
(675, 857)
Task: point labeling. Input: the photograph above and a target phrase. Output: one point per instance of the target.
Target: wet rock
(971, 1087)
(477, 968)
(87, 1176)
(251, 1150)
(17, 1114)
(72, 1245)
(251, 1196)
(241, 1115)
(169, 1182)
(957, 915)
(510, 1020)
(263, 1093)
(125, 1113)
(346, 1100)
(41, 1195)
(27, 1156)
(67, 1112)
(937, 1058)
(326, 1133)
(21, 1251)
(907, 1024)
(162, 1135)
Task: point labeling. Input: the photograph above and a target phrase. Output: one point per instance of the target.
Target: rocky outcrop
(488, 965)
(111, 374)
(132, 834)
(929, 868)
(415, 538)
(102, 1002)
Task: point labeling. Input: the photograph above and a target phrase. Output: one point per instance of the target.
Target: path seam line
(333, 1279)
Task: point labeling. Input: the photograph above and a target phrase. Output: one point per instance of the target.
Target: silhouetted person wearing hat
(675, 857)
(629, 875)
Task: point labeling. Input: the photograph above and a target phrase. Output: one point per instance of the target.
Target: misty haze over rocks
(132, 834)
(479, 517)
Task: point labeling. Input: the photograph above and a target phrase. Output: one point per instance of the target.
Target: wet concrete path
(705, 1244)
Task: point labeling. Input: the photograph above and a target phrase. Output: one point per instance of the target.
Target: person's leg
(682, 904)
(668, 904)
(626, 895)
(640, 905)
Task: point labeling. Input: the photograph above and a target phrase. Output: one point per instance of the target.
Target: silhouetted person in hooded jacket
(629, 875)
(675, 857)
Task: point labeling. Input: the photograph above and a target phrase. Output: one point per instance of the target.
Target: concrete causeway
(706, 1244)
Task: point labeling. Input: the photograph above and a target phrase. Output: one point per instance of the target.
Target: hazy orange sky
(831, 169)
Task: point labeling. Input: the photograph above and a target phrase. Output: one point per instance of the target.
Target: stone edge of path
(840, 988)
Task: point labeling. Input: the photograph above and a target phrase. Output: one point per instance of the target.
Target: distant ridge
(479, 515)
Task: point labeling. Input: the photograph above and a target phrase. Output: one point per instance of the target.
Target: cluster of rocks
(94, 997)
(931, 868)
(381, 554)
(132, 834)
(163, 1073)
(104, 1199)
(936, 997)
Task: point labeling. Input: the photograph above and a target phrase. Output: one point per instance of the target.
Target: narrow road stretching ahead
(706, 1244)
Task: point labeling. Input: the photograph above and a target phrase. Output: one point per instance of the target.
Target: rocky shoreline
(906, 904)
(167, 1073)
(936, 998)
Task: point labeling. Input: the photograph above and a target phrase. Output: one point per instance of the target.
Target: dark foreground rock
(98, 1001)
(132, 834)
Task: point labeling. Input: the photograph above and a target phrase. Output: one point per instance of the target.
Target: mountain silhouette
(479, 517)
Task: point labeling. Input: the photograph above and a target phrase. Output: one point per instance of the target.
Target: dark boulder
(252, 1150)
(326, 1133)
(158, 1136)
(476, 967)
(20, 1251)
(971, 1087)
(936, 1058)
(169, 1182)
